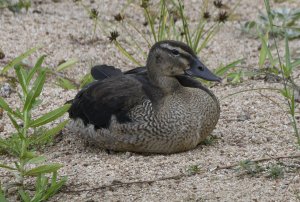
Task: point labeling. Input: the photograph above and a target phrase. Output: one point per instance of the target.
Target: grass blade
(35, 91)
(151, 23)
(221, 71)
(43, 169)
(54, 188)
(6, 107)
(66, 64)
(65, 84)
(7, 167)
(50, 133)
(125, 53)
(21, 78)
(50, 116)
(18, 59)
(36, 67)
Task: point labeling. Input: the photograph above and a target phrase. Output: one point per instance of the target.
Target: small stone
(243, 117)
(5, 90)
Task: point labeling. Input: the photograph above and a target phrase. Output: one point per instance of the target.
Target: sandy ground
(251, 125)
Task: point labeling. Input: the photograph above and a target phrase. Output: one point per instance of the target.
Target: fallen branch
(120, 184)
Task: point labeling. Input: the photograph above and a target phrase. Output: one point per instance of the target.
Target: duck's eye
(175, 52)
(201, 68)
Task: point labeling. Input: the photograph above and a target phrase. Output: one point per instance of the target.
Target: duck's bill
(198, 69)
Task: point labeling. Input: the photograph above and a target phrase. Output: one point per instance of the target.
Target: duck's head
(172, 58)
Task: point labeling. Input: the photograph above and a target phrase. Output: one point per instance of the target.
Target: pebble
(5, 90)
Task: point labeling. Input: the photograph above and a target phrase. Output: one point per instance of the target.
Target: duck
(160, 108)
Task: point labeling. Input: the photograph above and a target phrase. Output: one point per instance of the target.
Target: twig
(120, 184)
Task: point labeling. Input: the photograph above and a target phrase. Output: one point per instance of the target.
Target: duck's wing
(96, 103)
(137, 70)
(100, 72)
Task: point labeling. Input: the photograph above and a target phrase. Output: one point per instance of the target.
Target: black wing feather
(100, 72)
(102, 99)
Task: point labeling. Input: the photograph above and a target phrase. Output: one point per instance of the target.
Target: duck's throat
(168, 85)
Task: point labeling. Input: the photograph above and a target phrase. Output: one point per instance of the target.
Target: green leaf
(24, 147)
(4, 143)
(14, 122)
(296, 63)
(29, 155)
(6, 107)
(7, 167)
(35, 91)
(18, 59)
(126, 53)
(21, 74)
(263, 51)
(2, 196)
(222, 70)
(36, 67)
(86, 79)
(37, 160)
(50, 116)
(24, 195)
(43, 169)
(50, 133)
(54, 188)
(65, 84)
(288, 67)
(66, 64)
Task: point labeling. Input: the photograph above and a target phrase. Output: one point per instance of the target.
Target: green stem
(285, 82)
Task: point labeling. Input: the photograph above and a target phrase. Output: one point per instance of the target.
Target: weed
(30, 133)
(286, 18)
(275, 171)
(235, 75)
(162, 25)
(15, 6)
(286, 70)
(169, 21)
(210, 140)
(193, 169)
(251, 168)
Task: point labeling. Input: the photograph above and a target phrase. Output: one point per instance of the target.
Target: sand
(251, 125)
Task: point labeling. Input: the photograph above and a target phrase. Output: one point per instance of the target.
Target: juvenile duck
(157, 109)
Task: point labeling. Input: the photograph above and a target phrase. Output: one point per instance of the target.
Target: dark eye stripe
(187, 56)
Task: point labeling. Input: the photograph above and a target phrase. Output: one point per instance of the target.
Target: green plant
(286, 71)
(163, 25)
(210, 140)
(231, 71)
(169, 21)
(281, 17)
(193, 169)
(22, 144)
(15, 6)
(275, 171)
(282, 68)
(250, 167)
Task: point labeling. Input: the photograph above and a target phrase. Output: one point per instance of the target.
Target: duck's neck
(168, 85)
